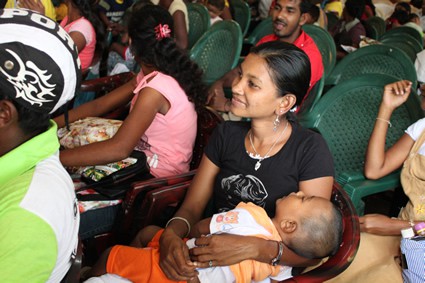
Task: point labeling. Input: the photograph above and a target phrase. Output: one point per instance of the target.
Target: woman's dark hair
(163, 53)
(403, 6)
(88, 11)
(289, 67)
(30, 122)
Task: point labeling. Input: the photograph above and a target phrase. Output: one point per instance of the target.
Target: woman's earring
(276, 123)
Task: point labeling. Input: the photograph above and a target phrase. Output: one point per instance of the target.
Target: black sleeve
(317, 159)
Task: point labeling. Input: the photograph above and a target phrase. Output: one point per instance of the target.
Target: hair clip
(162, 31)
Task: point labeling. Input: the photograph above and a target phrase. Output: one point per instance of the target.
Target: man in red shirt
(288, 17)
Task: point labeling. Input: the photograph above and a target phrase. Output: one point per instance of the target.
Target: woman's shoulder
(416, 129)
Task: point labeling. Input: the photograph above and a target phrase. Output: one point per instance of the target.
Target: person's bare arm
(174, 254)
(379, 162)
(180, 31)
(34, 5)
(100, 106)
(148, 104)
(382, 225)
(320, 187)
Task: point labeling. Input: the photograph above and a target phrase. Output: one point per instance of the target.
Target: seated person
(349, 29)
(38, 207)
(309, 226)
(215, 9)
(313, 15)
(111, 13)
(163, 103)
(415, 22)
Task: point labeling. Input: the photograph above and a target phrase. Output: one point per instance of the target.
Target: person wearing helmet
(39, 220)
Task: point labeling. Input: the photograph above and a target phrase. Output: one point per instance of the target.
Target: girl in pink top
(85, 29)
(164, 98)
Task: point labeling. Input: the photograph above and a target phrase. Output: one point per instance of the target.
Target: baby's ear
(288, 226)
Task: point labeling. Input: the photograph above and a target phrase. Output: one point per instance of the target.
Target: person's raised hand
(34, 5)
(217, 99)
(395, 94)
(174, 258)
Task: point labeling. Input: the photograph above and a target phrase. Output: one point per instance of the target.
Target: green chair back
(218, 49)
(371, 31)
(326, 45)
(378, 23)
(199, 22)
(407, 44)
(345, 117)
(241, 13)
(404, 30)
(373, 59)
(263, 28)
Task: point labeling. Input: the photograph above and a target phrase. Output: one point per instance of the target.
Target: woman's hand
(34, 5)
(222, 250)
(174, 258)
(217, 99)
(396, 94)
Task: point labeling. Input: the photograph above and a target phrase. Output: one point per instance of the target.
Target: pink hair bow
(162, 31)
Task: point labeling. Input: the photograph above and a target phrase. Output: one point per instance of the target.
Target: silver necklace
(260, 159)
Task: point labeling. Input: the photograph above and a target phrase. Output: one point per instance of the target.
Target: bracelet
(182, 219)
(276, 260)
(382, 119)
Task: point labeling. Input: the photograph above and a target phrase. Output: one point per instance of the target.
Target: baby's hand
(395, 94)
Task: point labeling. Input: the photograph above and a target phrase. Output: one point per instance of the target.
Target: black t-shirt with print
(305, 156)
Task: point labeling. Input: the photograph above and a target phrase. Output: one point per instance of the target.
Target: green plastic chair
(404, 30)
(345, 117)
(406, 43)
(199, 22)
(373, 59)
(378, 23)
(326, 45)
(371, 31)
(263, 28)
(218, 49)
(241, 13)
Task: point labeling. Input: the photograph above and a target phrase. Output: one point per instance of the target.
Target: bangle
(382, 119)
(276, 260)
(182, 219)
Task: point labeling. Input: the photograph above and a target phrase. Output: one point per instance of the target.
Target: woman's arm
(102, 105)
(79, 40)
(180, 31)
(379, 162)
(174, 260)
(149, 103)
(320, 187)
(382, 225)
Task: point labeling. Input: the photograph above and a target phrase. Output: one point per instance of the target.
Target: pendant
(257, 165)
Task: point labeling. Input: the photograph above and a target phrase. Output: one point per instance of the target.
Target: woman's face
(254, 93)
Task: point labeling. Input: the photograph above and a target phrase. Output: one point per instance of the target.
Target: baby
(310, 227)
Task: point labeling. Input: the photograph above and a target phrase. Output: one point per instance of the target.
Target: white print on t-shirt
(247, 188)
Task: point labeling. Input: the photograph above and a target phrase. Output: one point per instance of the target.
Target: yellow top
(48, 7)
(335, 6)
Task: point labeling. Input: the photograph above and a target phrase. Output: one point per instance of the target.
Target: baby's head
(215, 7)
(310, 227)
